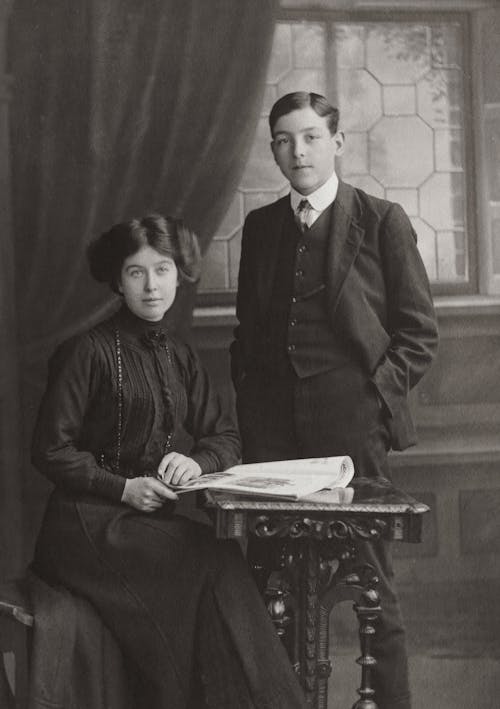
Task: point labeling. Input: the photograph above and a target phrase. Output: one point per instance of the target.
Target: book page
(289, 479)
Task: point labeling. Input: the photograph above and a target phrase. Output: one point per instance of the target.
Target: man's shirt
(319, 200)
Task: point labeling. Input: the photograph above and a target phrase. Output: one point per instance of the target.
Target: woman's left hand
(177, 469)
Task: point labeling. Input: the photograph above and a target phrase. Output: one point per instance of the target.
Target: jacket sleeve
(236, 349)
(245, 299)
(212, 426)
(412, 326)
(73, 375)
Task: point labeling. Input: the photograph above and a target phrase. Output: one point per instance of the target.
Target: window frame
(473, 116)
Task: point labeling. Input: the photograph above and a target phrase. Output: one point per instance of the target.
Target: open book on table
(285, 479)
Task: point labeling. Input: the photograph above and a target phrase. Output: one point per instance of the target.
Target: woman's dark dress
(182, 605)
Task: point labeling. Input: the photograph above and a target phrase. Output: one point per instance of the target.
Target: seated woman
(181, 604)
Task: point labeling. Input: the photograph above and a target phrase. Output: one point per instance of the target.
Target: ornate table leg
(264, 559)
(314, 576)
(316, 562)
(276, 606)
(308, 620)
(368, 611)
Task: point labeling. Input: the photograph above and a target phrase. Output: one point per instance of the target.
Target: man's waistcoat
(298, 336)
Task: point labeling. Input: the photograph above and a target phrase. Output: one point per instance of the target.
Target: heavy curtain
(120, 107)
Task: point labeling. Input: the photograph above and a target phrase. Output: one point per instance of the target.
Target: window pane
(400, 93)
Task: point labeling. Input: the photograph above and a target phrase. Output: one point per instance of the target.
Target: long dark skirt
(182, 605)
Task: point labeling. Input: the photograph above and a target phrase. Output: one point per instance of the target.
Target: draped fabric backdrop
(120, 107)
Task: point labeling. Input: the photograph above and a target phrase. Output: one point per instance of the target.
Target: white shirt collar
(321, 198)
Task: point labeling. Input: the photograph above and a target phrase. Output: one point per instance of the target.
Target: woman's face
(148, 283)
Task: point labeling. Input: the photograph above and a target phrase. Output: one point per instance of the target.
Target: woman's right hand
(146, 494)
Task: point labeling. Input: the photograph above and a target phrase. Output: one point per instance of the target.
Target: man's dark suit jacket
(377, 295)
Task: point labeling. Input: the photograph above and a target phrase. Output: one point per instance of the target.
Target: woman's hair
(167, 235)
(302, 99)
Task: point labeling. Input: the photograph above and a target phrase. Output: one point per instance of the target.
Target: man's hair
(301, 99)
(167, 235)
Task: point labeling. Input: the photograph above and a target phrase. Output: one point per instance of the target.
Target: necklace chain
(119, 376)
(119, 396)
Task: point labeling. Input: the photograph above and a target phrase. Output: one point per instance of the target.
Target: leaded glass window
(400, 87)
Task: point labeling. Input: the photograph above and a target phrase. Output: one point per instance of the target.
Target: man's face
(304, 149)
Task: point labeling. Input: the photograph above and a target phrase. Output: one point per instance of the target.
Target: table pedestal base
(304, 556)
(301, 580)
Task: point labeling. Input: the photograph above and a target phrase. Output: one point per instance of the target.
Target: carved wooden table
(303, 555)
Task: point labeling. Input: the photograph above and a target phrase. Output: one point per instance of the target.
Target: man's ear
(339, 139)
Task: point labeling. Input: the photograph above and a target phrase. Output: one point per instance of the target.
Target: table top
(362, 496)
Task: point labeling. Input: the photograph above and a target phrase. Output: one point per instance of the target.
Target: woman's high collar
(134, 325)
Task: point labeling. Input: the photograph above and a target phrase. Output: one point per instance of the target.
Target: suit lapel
(344, 241)
(269, 244)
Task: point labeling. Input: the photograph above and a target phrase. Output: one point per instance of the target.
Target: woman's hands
(146, 494)
(177, 469)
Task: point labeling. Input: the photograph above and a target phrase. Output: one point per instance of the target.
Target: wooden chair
(16, 622)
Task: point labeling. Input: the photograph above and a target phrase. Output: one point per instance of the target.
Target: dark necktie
(302, 215)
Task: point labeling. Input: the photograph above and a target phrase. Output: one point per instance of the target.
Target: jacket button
(291, 348)
(302, 249)
(294, 299)
(299, 272)
(293, 322)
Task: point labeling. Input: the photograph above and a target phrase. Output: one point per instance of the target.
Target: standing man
(336, 325)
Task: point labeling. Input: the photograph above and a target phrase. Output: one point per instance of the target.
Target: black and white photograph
(249, 354)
